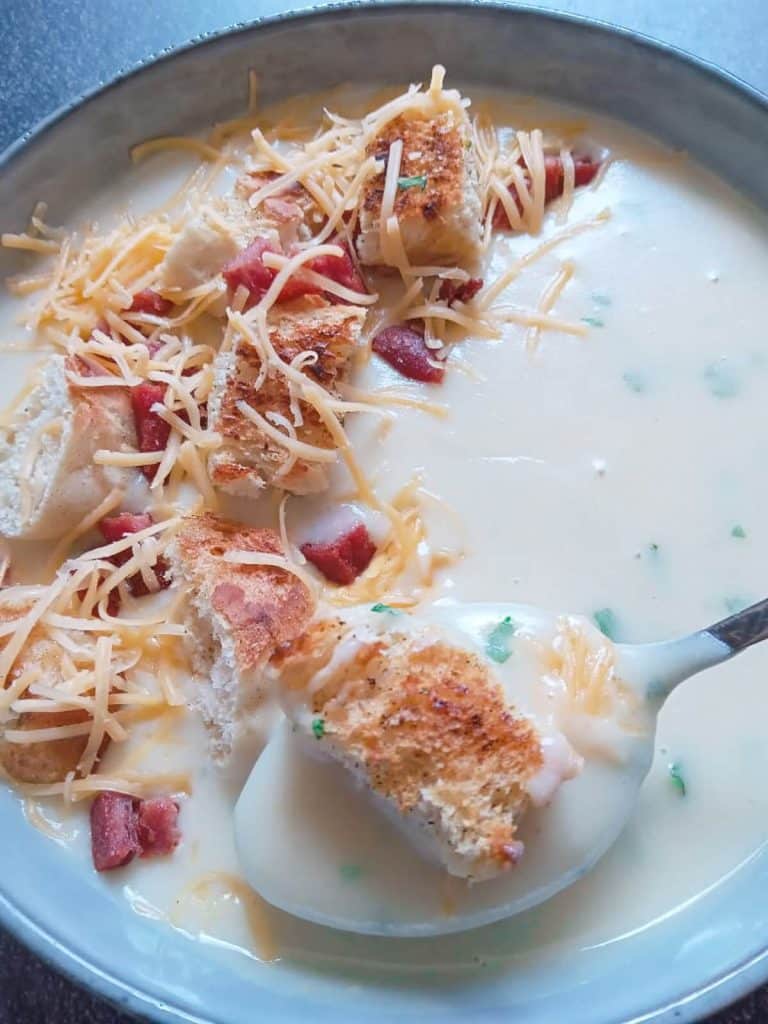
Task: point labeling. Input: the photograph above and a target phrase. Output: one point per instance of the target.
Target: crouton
(207, 242)
(48, 480)
(437, 202)
(249, 459)
(237, 616)
(223, 228)
(424, 723)
(49, 761)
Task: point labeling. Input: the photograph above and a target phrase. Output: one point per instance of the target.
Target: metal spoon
(313, 844)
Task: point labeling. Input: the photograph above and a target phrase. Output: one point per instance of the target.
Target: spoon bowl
(335, 857)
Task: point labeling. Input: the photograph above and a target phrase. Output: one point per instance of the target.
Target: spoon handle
(743, 629)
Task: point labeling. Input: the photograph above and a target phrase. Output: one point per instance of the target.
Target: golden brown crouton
(437, 203)
(49, 761)
(249, 459)
(238, 616)
(425, 723)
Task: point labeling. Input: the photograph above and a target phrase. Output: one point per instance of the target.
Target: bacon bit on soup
(248, 270)
(158, 826)
(152, 431)
(283, 210)
(150, 301)
(114, 831)
(404, 348)
(460, 291)
(340, 269)
(585, 171)
(114, 528)
(123, 827)
(342, 560)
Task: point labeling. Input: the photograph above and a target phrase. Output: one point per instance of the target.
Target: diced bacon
(340, 269)
(460, 291)
(342, 560)
(152, 431)
(123, 525)
(157, 826)
(252, 181)
(123, 827)
(150, 301)
(247, 269)
(404, 348)
(114, 832)
(117, 527)
(282, 210)
(584, 167)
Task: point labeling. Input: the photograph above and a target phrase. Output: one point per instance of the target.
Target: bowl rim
(716, 993)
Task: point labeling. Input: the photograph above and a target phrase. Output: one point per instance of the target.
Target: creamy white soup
(612, 472)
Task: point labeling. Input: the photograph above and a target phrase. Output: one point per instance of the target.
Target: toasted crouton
(237, 616)
(48, 480)
(249, 459)
(51, 760)
(425, 724)
(437, 202)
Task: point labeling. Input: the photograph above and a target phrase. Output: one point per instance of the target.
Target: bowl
(708, 952)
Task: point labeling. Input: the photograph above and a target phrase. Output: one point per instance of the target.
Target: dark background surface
(53, 50)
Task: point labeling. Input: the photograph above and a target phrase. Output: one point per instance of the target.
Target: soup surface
(614, 475)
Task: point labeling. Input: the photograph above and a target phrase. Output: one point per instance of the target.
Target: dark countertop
(53, 50)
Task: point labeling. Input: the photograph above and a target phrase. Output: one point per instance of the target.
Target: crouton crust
(261, 606)
(44, 762)
(439, 221)
(249, 460)
(429, 728)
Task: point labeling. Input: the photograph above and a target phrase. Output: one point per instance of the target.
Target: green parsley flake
(350, 872)
(635, 381)
(653, 548)
(593, 321)
(606, 622)
(676, 775)
(497, 645)
(318, 728)
(384, 608)
(601, 299)
(738, 531)
(417, 181)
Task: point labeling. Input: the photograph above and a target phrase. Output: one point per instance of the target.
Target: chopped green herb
(722, 380)
(593, 321)
(379, 607)
(350, 872)
(635, 381)
(606, 622)
(676, 775)
(318, 728)
(653, 548)
(416, 181)
(601, 299)
(738, 531)
(497, 646)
